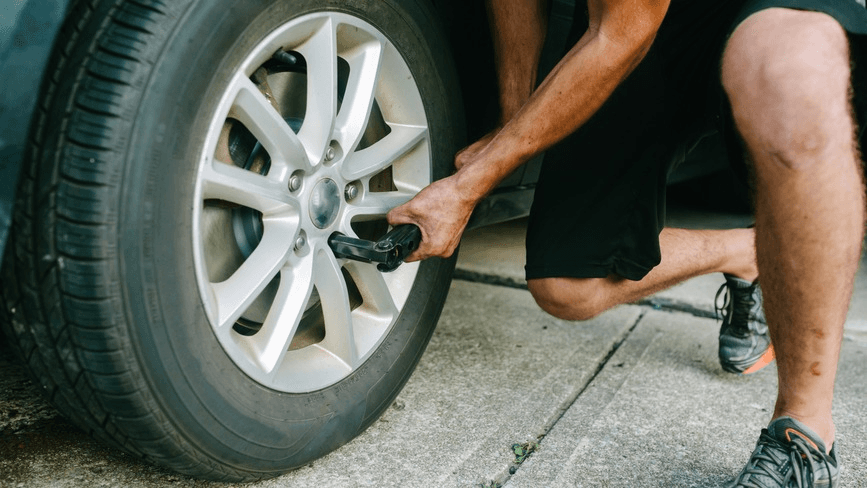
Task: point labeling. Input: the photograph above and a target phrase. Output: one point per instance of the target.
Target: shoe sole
(766, 359)
(749, 366)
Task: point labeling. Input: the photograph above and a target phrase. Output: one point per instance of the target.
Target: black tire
(99, 278)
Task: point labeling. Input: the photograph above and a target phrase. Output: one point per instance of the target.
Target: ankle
(741, 261)
(822, 425)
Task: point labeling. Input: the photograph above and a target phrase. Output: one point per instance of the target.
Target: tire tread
(62, 310)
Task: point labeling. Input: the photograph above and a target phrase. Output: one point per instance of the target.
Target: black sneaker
(789, 455)
(744, 344)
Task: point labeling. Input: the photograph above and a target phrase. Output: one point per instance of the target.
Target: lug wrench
(388, 252)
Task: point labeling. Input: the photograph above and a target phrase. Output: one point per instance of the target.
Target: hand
(441, 211)
(468, 154)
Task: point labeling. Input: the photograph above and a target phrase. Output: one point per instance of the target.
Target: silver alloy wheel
(345, 140)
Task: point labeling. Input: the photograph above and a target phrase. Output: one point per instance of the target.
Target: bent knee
(569, 298)
(785, 51)
(787, 75)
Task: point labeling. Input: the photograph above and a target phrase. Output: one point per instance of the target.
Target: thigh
(599, 202)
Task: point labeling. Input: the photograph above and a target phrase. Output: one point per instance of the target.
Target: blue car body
(28, 30)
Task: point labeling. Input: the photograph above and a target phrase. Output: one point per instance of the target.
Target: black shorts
(600, 201)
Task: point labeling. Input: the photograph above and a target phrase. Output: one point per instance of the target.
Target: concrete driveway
(508, 396)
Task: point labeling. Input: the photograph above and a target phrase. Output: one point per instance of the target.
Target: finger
(399, 215)
(431, 250)
(419, 254)
(415, 256)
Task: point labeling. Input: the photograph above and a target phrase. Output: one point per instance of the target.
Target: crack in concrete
(671, 305)
(564, 407)
(489, 279)
(656, 303)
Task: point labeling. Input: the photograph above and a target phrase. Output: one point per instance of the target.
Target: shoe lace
(730, 313)
(720, 311)
(771, 454)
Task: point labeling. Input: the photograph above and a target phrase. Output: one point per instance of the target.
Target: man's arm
(620, 34)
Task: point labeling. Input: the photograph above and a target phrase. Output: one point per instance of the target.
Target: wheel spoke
(364, 64)
(339, 338)
(235, 295)
(259, 116)
(230, 183)
(372, 160)
(272, 341)
(374, 290)
(320, 52)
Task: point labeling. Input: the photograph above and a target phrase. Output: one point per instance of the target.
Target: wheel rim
(294, 153)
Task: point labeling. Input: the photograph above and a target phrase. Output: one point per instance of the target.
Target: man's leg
(685, 254)
(787, 76)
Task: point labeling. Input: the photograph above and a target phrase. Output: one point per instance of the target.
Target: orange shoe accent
(766, 359)
(791, 431)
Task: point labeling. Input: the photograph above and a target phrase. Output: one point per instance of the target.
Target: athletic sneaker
(789, 455)
(744, 344)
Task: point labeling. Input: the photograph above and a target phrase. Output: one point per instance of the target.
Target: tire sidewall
(219, 409)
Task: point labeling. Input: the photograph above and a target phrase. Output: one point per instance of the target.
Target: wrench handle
(388, 252)
(399, 243)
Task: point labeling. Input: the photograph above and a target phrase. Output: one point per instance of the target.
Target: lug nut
(300, 242)
(294, 182)
(351, 191)
(330, 153)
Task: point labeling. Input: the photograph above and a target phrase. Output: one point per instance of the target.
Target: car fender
(27, 32)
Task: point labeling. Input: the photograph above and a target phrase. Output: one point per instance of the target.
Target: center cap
(324, 203)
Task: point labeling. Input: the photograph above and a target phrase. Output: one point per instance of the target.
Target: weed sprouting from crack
(522, 451)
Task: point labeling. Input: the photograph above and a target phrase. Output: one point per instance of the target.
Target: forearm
(518, 30)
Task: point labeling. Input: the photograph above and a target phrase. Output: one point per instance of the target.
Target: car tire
(168, 281)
